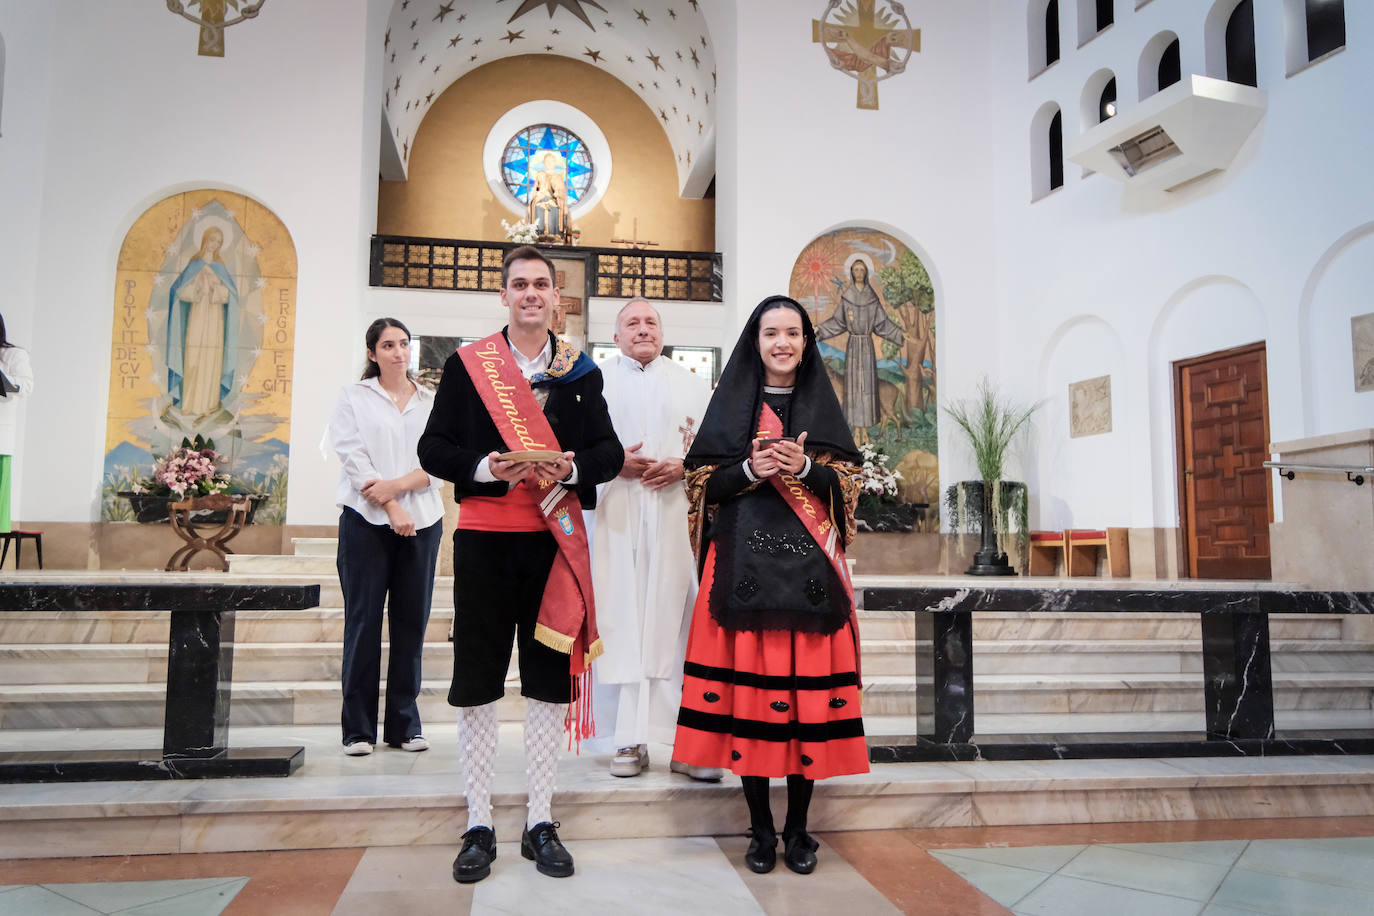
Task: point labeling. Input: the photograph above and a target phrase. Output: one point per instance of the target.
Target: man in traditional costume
(521, 429)
(642, 569)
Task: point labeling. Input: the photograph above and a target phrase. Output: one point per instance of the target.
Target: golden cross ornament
(211, 20)
(862, 38)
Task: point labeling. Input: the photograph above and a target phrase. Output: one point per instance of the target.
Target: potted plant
(879, 508)
(186, 472)
(990, 422)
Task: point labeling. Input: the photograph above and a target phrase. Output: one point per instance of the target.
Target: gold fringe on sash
(596, 651)
(553, 639)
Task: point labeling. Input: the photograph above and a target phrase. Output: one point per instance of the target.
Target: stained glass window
(524, 155)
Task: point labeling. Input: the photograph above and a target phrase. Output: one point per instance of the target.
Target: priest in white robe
(642, 567)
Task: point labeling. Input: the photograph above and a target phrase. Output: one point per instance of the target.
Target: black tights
(761, 814)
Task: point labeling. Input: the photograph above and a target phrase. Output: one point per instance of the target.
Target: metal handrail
(1353, 472)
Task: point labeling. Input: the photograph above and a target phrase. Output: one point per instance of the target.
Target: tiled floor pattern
(1293, 866)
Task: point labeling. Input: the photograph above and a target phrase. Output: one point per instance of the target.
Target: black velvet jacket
(461, 433)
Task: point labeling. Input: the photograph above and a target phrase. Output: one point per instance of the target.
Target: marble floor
(1286, 867)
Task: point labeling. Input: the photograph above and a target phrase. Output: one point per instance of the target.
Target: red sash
(814, 515)
(567, 612)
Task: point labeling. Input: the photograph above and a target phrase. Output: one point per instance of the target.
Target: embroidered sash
(814, 515)
(567, 612)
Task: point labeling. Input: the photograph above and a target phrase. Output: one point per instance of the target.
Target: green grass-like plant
(990, 421)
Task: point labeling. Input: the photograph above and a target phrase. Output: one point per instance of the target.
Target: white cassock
(643, 572)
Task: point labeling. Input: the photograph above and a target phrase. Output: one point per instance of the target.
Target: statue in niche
(202, 330)
(547, 210)
(861, 315)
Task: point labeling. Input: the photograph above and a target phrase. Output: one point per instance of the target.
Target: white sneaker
(357, 749)
(418, 743)
(703, 774)
(630, 761)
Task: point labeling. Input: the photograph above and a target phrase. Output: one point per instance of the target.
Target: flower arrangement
(186, 471)
(878, 481)
(521, 232)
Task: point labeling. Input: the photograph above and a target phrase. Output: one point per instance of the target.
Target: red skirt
(769, 702)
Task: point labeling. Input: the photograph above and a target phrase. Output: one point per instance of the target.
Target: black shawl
(733, 414)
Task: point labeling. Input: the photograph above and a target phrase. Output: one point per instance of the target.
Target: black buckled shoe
(475, 858)
(762, 854)
(541, 844)
(799, 852)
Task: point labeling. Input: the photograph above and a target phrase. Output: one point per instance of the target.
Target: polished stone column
(200, 671)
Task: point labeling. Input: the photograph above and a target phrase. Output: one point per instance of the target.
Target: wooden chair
(1081, 546)
(17, 537)
(1045, 547)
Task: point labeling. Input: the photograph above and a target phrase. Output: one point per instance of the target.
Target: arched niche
(1094, 16)
(1313, 29)
(1338, 341)
(874, 300)
(1090, 102)
(1229, 42)
(1160, 64)
(1206, 315)
(203, 343)
(1043, 44)
(1046, 150)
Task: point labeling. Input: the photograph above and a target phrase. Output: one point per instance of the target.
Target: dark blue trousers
(379, 567)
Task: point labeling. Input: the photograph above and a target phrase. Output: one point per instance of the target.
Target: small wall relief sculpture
(868, 40)
(1090, 407)
(1362, 341)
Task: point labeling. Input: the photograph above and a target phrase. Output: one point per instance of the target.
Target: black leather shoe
(474, 859)
(799, 852)
(762, 854)
(541, 844)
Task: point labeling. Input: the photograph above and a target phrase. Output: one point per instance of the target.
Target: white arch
(1307, 347)
(1147, 70)
(1091, 99)
(1214, 36)
(1037, 51)
(1231, 324)
(1040, 148)
(2, 85)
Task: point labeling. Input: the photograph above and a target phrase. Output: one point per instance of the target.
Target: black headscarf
(732, 417)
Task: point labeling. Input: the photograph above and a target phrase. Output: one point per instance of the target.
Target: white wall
(292, 123)
(1220, 263)
(26, 29)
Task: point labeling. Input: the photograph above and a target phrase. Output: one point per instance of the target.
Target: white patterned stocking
(543, 732)
(477, 742)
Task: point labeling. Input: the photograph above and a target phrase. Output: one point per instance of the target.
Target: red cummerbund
(516, 511)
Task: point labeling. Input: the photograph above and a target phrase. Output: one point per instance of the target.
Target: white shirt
(15, 363)
(529, 367)
(375, 441)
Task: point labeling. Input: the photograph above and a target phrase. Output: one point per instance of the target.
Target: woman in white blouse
(14, 362)
(390, 524)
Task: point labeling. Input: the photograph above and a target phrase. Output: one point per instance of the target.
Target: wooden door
(1226, 501)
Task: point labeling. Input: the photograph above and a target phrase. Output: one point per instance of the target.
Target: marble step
(326, 623)
(315, 547)
(317, 702)
(141, 662)
(415, 800)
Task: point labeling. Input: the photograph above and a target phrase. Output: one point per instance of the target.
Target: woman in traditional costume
(771, 682)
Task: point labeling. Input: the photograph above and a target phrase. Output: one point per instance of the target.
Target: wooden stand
(183, 523)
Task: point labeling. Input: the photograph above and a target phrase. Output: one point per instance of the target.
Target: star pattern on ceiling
(572, 6)
(668, 39)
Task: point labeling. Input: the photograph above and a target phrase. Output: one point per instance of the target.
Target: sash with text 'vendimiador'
(567, 612)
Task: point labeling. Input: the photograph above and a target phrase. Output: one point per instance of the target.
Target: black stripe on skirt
(771, 682)
(753, 729)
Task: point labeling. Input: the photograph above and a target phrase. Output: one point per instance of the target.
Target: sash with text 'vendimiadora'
(567, 612)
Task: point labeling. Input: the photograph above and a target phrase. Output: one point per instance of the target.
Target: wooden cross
(863, 48)
(634, 240)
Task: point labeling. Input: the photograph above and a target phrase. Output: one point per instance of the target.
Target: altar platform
(90, 680)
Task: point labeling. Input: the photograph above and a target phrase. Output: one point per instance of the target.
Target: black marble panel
(952, 655)
(200, 670)
(1026, 595)
(187, 596)
(1236, 676)
(102, 765)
